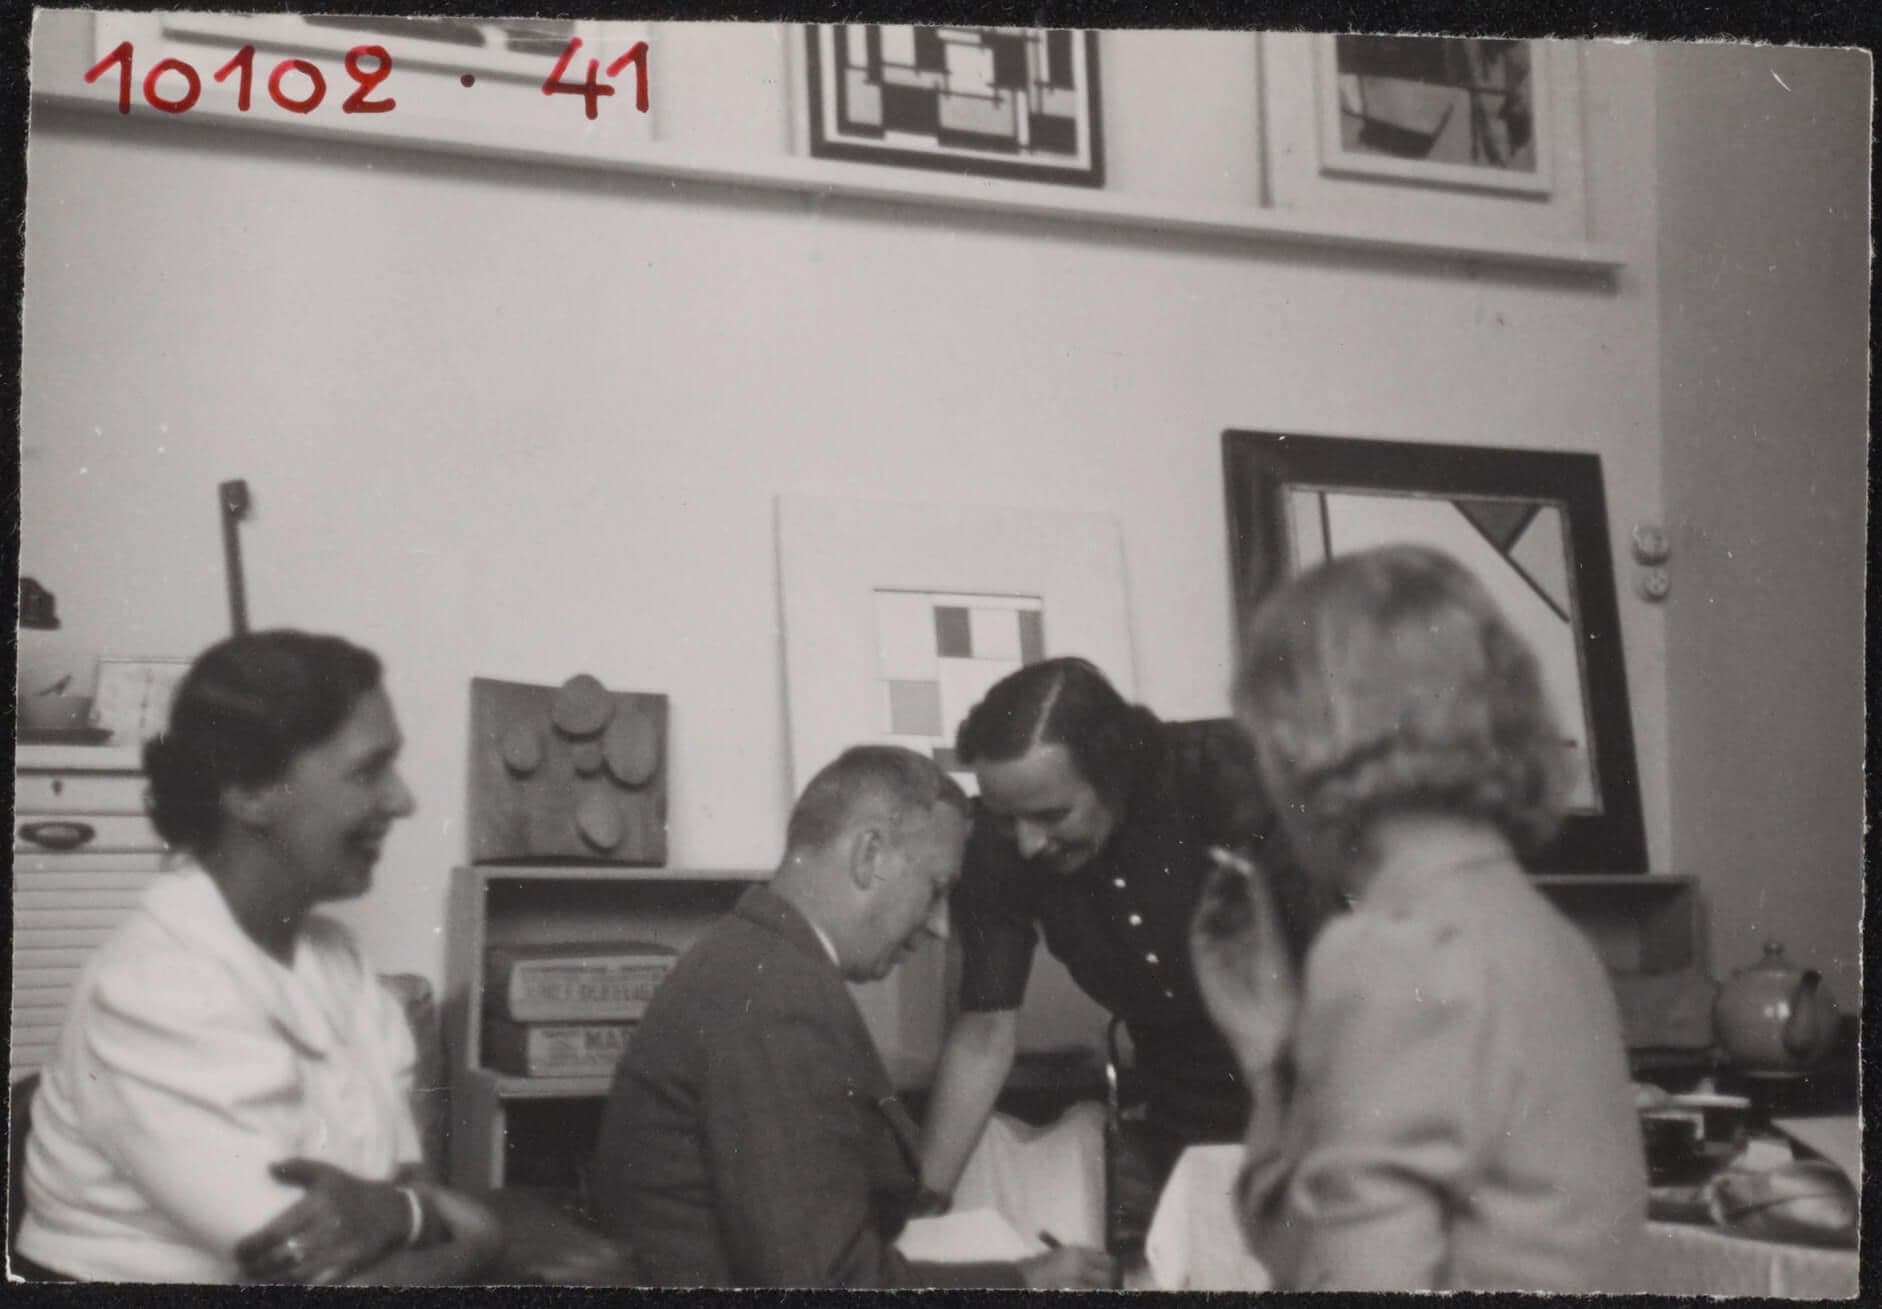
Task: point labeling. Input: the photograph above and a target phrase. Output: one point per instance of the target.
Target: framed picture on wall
(521, 48)
(897, 619)
(1532, 525)
(1458, 111)
(1016, 102)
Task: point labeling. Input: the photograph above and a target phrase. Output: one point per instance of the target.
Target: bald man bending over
(753, 1137)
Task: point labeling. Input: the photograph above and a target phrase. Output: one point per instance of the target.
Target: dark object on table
(1806, 1201)
(1678, 1152)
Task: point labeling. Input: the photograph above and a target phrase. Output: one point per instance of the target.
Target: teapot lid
(1773, 960)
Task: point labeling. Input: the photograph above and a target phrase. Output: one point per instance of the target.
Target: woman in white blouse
(1450, 1106)
(229, 1098)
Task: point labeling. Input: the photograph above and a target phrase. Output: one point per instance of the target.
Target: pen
(1051, 1241)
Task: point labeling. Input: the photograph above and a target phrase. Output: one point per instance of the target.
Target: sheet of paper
(1195, 1240)
(965, 1237)
(1837, 1137)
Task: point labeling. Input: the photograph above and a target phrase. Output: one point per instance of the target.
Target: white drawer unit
(83, 854)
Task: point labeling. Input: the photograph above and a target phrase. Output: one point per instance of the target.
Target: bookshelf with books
(546, 968)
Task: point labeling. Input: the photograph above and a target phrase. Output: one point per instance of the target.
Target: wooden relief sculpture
(574, 773)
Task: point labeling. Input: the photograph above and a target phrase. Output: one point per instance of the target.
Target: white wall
(521, 422)
(1764, 263)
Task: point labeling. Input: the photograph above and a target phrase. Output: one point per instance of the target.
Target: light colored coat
(191, 1061)
(1463, 1115)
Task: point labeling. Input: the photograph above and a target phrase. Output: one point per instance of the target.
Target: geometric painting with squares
(937, 655)
(1003, 102)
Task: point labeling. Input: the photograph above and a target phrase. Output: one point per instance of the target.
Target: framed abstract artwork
(897, 620)
(1459, 111)
(1531, 525)
(1018, 103)
(522, 48)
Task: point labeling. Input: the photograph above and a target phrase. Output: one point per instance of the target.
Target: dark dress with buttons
(1120, 924)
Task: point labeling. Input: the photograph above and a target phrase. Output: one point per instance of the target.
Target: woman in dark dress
(1094, 823)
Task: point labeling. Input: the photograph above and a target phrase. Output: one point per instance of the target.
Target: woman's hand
(1242, 966)
(340, 1226)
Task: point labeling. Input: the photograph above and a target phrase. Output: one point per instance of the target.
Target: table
(1195, 1243)
(1686, 1259)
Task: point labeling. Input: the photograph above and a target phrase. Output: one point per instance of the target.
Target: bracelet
(417, 1208)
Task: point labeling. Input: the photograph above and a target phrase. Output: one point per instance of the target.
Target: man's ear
(866, 849)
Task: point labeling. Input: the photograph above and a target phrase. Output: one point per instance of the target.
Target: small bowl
(54, 713)
(1726, 1118)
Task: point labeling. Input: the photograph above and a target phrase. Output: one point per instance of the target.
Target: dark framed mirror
(1531, 524)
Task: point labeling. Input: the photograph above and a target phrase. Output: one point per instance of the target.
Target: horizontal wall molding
(872, 182)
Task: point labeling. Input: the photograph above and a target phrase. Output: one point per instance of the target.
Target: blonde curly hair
(1388, 681)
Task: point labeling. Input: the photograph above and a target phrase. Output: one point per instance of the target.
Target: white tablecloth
(1195, 1243)
(1195, 1238)
(1041, 1179)
(1684, 1259)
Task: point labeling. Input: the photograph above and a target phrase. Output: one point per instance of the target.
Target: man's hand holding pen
(1069, 1268)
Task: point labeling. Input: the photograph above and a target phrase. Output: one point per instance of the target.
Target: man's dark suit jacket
(753, 1137)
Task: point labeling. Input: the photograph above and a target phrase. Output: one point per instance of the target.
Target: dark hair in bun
(1067, 702)
(245, 709)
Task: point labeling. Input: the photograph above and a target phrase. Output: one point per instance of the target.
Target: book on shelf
(600, 982)
(554, 1049)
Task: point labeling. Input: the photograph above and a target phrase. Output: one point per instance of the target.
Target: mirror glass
(1518, 547)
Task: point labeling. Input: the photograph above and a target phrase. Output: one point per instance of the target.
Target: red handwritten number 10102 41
(306, 98)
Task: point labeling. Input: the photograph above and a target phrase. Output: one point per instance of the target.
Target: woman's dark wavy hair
(1387, 681)
(1064, 702)
(245, 709)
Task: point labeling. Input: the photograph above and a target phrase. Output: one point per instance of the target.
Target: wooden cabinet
(83, 853)
(510, 1130)
(1639, 923)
